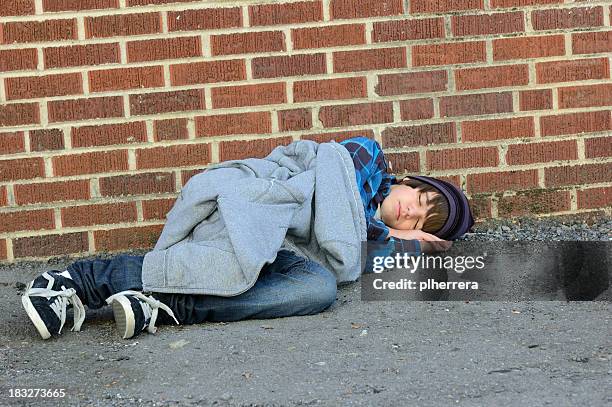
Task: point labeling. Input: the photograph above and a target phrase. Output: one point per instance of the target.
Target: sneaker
(47, 299)
(134, 312)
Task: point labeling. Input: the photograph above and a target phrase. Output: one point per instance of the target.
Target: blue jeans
(291, 285)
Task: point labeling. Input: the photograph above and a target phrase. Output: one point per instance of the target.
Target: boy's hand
(429, 243)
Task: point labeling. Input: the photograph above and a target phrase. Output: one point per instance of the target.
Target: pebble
(546, 229)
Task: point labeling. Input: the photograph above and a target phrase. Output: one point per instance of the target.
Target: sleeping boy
(259, 238)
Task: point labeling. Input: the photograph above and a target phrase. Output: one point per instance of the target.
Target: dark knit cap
(460, 218)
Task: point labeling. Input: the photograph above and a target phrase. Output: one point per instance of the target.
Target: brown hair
(438, 214)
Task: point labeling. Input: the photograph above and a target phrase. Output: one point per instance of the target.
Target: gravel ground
(356, 353)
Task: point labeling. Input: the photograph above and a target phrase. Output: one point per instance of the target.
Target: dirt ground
(383, 353)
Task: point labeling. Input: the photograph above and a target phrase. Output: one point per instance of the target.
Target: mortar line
(150, 131)
(139, 211)
(246, 20)
(573, 199)
(326, 10)
(214, 152)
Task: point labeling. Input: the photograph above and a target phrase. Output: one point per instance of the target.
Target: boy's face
(405, 207)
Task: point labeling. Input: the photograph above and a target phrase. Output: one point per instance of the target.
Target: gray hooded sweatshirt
(234, 217)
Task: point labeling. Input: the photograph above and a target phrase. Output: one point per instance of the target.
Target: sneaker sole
(124, 317)
(35, 317)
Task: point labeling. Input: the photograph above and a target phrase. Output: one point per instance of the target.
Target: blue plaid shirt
(374, 184)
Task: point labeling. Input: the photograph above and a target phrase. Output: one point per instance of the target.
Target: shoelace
(152, 302)
(60, 304)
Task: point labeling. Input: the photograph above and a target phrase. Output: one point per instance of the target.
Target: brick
(166, 48)
(16, 114)
(17, 8)
(592, 42)
(289, 13)
(444, 6)
(598, 147)
(205, 19)
(492, 77)
(452, 179)
(105, 80)
(234, 123)
(576, 70)
(134, 3)
(574, 123)
(121, 25)
(26, 194)
(3, 196)
(498, 129)
(174, 156)
(403, 162)
(539, 99)
(462, 158)
(156, 208)
(291, 65)
(484, 103)
(355, 114)
(592, 198)
(23, 168)
(567, 18)
(53, 6)
(83, 109)
(417, 109)
(521, 3)
(249, 95)
(411, 82)
(78, 55)
(127, 238)
(365, 8)
(50, 245)
(208, 72)
(164, 102)
(330, 89)
(109, 134)
(235, 150)
(18, 59)
(578, 174)
(502, 181)
(89, 215)
(11, 143)
(46, 139)
(450, 53)
(487, 24)
(585, 96)
(172, 129)
(480, 207)
(39, 31)
(294, 119)
(536, 201)
(528, 47)
(338, 135)
(369, 59)
(3, 250)
(402, 30)
(90, 163)
(422, 135)
(187, 174)
(520, 154)
(248, 42)
(26, 220)
(138, 184)
(330, 36)
(29, 87)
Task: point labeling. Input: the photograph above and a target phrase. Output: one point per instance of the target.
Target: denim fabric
(291, 285)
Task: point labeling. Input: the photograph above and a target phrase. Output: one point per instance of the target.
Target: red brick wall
(107, 107)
